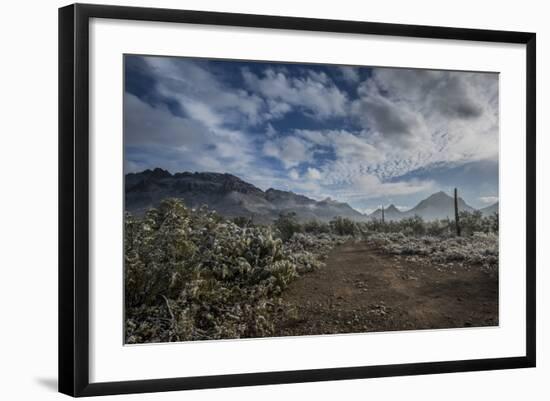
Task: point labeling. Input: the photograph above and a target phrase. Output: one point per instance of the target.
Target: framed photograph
(250, 199)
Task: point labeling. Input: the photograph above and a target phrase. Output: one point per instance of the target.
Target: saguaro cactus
(457, 220)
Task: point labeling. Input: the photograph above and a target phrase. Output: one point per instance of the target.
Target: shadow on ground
(47, 382)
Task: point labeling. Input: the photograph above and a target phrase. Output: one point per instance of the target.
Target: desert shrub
(316, 227)
(287, 224)
(478, 249)
(191, 275)
(471, 222)
(475, 222)
(409, 226)
(440, 228)
(493, 222)
(371, 226)
(343, 226)
(412, 226)
(156, 255)
(243, 221)
(308, 250)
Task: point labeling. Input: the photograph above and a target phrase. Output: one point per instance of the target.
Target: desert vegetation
(191, 274)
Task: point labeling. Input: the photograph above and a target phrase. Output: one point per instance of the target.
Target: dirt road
(360, 289)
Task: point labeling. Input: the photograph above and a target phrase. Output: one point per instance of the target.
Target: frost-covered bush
(287, 224)
(192, 275)
(412, 226)
(342, 226)
(242, 221)
(316, 227)
(440, 228)
(477, 249)
(470, 223)
(474, 222)
(309, 250)
(493, 223)
(409, 226)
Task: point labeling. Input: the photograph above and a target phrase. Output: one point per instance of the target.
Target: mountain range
(232, 197)
(489, 210)
(436, 206)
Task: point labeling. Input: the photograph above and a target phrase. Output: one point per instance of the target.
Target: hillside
(232, 197)
(489, 210)
(228, 195)
(391, 213)
(438, 206)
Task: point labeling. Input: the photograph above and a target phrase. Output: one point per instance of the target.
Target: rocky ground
(363, 289)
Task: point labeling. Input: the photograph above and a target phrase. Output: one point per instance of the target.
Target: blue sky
(362, 135)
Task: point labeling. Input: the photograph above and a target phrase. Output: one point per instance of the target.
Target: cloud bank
(357, 134)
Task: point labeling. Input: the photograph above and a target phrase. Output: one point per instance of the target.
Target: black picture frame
(74, 201)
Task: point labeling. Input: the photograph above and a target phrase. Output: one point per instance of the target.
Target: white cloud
(311, 188)
(180, 144)
(369, 187)
(315, 137)
(350, 74)
(353, 147)
(144, 124)
(201, 112)
(313, 173)
(276, 109)
(394, 121)
(402, 120)
(488, 200)
(316, 94)
(412, 119)
(449, 116)
(355, 156)
(290, 151)
(270, 131)
(349, 146)
(293, 174)
(202, 95)
(367, 210)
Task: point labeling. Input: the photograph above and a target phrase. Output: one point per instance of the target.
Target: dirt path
(361, 289)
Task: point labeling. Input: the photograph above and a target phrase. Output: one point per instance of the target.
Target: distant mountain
(228, 195)
(439, 206)
(436, 206)
(232, 197)
(489, 210)
(391, 213)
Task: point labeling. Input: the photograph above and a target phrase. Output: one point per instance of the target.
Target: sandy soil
(360, 289)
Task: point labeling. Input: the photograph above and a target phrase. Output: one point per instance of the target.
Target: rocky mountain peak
(438, 196)
(228, 195)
